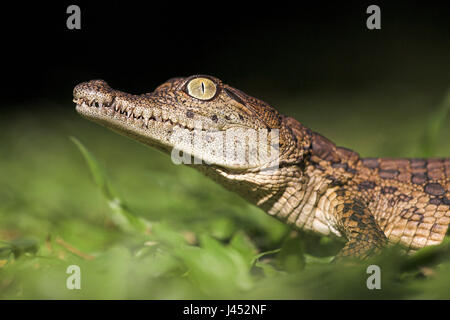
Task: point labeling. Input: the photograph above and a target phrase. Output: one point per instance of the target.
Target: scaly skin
(317, 187)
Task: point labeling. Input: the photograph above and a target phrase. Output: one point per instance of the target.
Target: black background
(274, 46)
(275, 308)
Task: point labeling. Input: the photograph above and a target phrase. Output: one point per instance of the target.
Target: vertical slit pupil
(203, 87)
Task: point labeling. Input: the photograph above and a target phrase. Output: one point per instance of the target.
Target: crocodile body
(316, 187)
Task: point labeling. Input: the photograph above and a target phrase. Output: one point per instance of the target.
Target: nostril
(90, 88)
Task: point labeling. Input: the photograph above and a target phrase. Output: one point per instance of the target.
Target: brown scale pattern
(400, 200)
(406, 199)
(409, 198)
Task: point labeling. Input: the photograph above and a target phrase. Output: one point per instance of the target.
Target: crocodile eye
(201, 88)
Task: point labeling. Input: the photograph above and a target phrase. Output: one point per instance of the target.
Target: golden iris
(201, 88)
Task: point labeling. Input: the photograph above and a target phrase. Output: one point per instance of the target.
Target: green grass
(139, 227)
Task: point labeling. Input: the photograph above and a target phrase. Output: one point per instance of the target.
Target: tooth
(157, 114)
(113, 105)
(100, 104)
(190, 123)
(137, 112)
(146, 114)
(164, 114)
(167, 125)
(173, 118)
(129, 111)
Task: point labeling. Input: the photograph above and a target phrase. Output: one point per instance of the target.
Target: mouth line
(143, 118)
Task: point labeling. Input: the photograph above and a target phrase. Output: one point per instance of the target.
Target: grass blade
(121, 216)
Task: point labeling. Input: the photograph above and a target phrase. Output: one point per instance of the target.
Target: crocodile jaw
(135, 127)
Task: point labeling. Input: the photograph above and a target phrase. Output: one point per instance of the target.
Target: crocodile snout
(97, 90)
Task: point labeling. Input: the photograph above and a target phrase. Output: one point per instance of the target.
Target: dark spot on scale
(214, 118)
(346, 208)
(434, 189)
(362, 226)
(293, 136)
(340, 165)
(351, 170)
(418, 163)
(419, 178)
(388, 190)
(318, 166)
(227, 118)
(446, 201)
(366, 185)
(435, 201)
(241, 117)
(404, 198)
(358, 205)
(189, 114)
(370, 163)
(334, 181)
(388, 174)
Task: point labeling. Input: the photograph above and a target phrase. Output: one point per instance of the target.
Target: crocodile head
(181, 109)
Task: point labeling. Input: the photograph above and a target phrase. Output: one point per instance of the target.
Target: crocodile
(316, 186)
